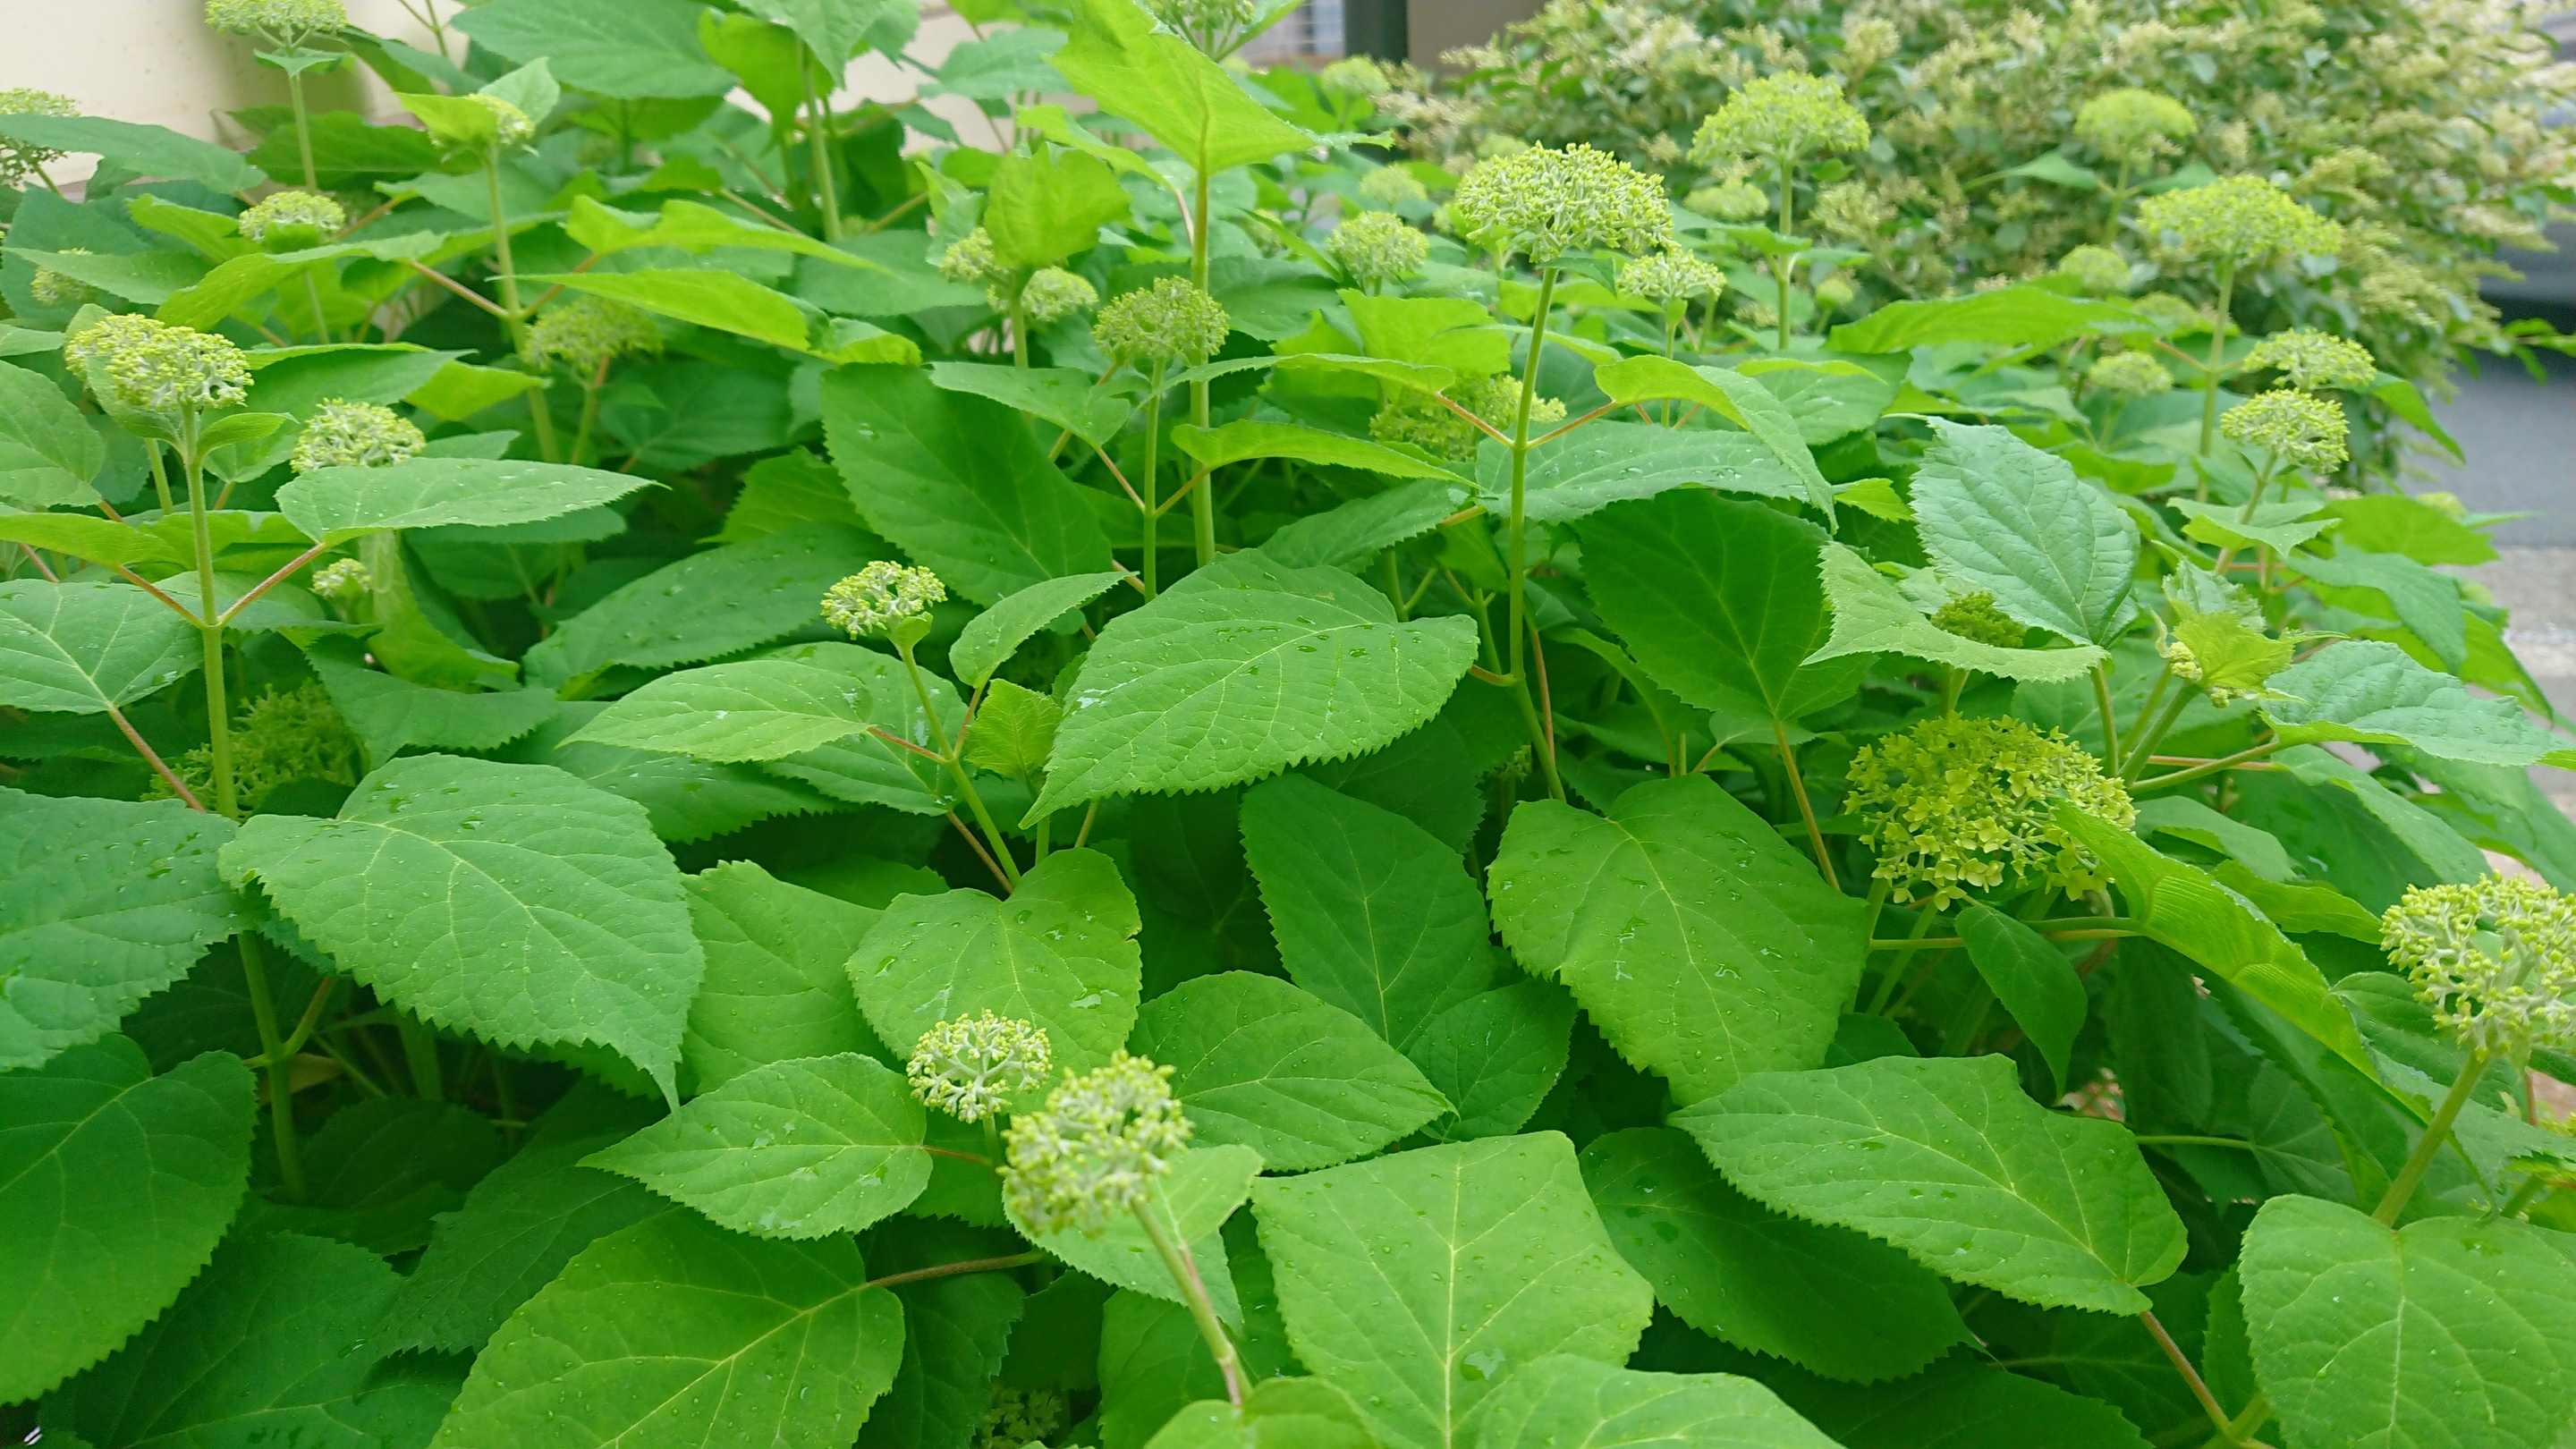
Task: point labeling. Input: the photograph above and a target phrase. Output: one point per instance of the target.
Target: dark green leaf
(2032, 978)
(154, 151)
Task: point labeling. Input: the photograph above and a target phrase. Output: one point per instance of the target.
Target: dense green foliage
(676, 778)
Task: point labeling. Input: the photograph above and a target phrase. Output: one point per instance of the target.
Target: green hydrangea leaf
(1829, 400)
(1703, 946)
(956, 1332)
(2001, 516)
(392, 715)
(102, 903)
(333, 505)
(2452, 1331)
(1159, 81)
(510, 901)
(686, 799)
(142, 150)
(1067, 397)
(1872, 616)
(1259, 1062)
(1496, 1055)
(379, 1170)
(1242, 669)
(990, 639)
(1825, 1298)
(48, 452)
(747, 1340)
(1563, 1400)
(1153, 1364)
(1957, 1404)
(2279, 527)
(775, 986)
(1283, 1413)
(1204, 1187)
(1255, 438)
(115, 1186)
(757, 709)
(2008, 316)
(1044, 208)
(770, 587)
(2393, 586)
(1730, 395)
(628, 49)
(86, 648)
(2033, 980)
(2371, 693)
(1419, 1283)
(1349, 535)
(1950, 1160)
(1013, 732)
(690, 227)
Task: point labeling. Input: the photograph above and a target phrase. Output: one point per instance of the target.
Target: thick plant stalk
(2217, 359)
(1202, 503)
(818, 131)
(1806, 807)
(1787, 266)
(515, 317)
(1153, 514)
(2429, 1146)
(1176, 1258)
(303, 129)
(1519, 538)
(949, 755)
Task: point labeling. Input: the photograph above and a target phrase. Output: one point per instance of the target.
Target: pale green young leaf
(392, 715)
(1731, 395)
(1872, 616)
(2450, 1331)
(1704, 946)
(86, 648)
(1256, 438)
(1999, 515)
(332, 505)
(2279, 527)
(2009, 316)
(155, 151)
(102, 903)
(1829, 400)
(806, 1148)
(1067, 397)
(1242, 669)
(1349, 535)
(2179, 815)
(990, 639)
(1013, 732)
(958, 482)
(1825, 1298)
(691, 227)
(627, 49)
(48, 452)
(115, 1186)
(1204, 1187)
(753, 709)
(1496, 1055)
(771, 586)
(865, 768)
(1566, 1402)
(1950, 1160)
(775, 987)
(85, 536)
(1061, 953)
(1042, 208)
(509, 901)
(2033, 980)
(747, 1340)
(1182, 99)
(2372, 693)
(2393, 586)
(1419, 1282)
(1257, 1061)
(1280, 1413)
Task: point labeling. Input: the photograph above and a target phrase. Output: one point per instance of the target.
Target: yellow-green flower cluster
(343, 581)
(2495, 959)
(345, 434)
(1542, 202)
(1356, 75)
(1392, 186)
(56, 289)
(511, 128)
(286, 22)
(1736, 201)
(1426, 423)
(2100, 271)
(1052, 294)
(1210, 24)
(2305, 429)
(970, 1068)
(109, 336)
(2311, 360)
(1781, 117)
(1671, 275)
(2134, 126)
(587, 333)
(1950, 805)
(971, 259)
(1020, 1417)
(19, 159)
(1097, 1150)
(2129, 374)
(880, 596)
(277, 738)
(170, 370)
(1974, 616)
(2238, 219)
(1376, 247)
(293, 219)
(1170, 321)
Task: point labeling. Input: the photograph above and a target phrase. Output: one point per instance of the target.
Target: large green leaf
(153, 151)
(1256, 438)
(956, 1332)
(1244, 668)
(1613, 462)
(690, 227)
(1496, 1055)
(1180, 97)
(958, 482)
(1259, 1062)
(2457, 1332)
(745, 1340)
(1419, 1282)
(990, 639)
(392, 715)
(765, 587)
(627, 49)
(1565, 1402)
(1043, 208)
(2011, 316)
(332, 505)
(115, 1185)
(2376, 694)
(1349, 535)
(2393, 586)
(1830, 400)
(1825, 1298)
(1703, 946)
(1280, 1413)
(755, 709)
(102, 903)
(1068, 397)
(1061, 952)
(510, 901)
(1204, 1187)
(1950, 1160)
(775, 987)
(1872, 616)
(86, 648)
(87, 536)
(1997, 514)
(1718, 598)
(1958, 1404)
(795, 1149)
(2033, 980)
(48, 451)
(686, 799)
(1731, 395)
(737, 304)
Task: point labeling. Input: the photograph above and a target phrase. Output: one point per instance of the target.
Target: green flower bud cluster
(1782, 117)
(343, 581)
(1377, 247)
(1204, 17)
(880, 596)
(2305, 429)
(971, 259)
(277, 738)
(1020, 1417)
(971, 1067)
(115, 333)
(54, 289)
(2494, 958)
(587, 333)
(293, 218)
(2169, 313)
(1671, 276)
(2240, 219)
(1392, 186)
(1736, 201)
(1052, 294)
(511, 128)
(19, 159)
(355, 435)
(1356, 75)
(1425, 422)
(1170, 321)
(2311, 360)
(169, 370)
(2134, 126)
(1542, 203)
(2099, 271)
(1974, 616)
(286, 22)
(1097, 1150)
(2129, 374)
(1953, 804)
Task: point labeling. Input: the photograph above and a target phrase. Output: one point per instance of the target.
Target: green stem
(1176, 1258)
(1786, 266)
(1019, 334)
(2146, 744)
(2217, 360)
(303, 128)
(1519, 534)
(1153, 515)
(2110, 719)
(589, 416)
(210, 629)
(1203, 502)
(2438, 1131)
(1806, 807)
(2190, 1375)
(2240, 1430)
(2184, 777)
(2168, 1141)
(2532, 1187)
(949, 754)
(281, 1085)
(951, 1270)
(515, 318)
(420, 1053)
(1923, 918)
(818, 131)
(993, 1140)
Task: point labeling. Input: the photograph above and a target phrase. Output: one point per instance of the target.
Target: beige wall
(1433, 27)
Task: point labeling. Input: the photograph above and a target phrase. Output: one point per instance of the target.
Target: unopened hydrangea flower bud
(277, 738)
(1097, 1150)
(1434, 427)
(1211, 25)
(511, 128)
(971, 1067)
(2100, 271)
(1670, 276)
(2239, 219)
(2494, 958)
(56, 289)
(2129, 374)
(19, 159)
(2134, 126)
(171, 370)
(1835, 291)
(1974, 616)
(1782, 117)
(2313, 360)
(343, 580)
(2168, 312)
(1356, 75)
(1542, 202)
(1020, 1417)
(1952, 804)
(293, 219)
(2305, 429)
(971, 259)
(585, 333)
(1052, 294)
(355, 435)
(113, 335)
(1736, 201)
(880, 596)
(1391, 187)
(1377, 247)
(288, 22)
(1170, 321)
